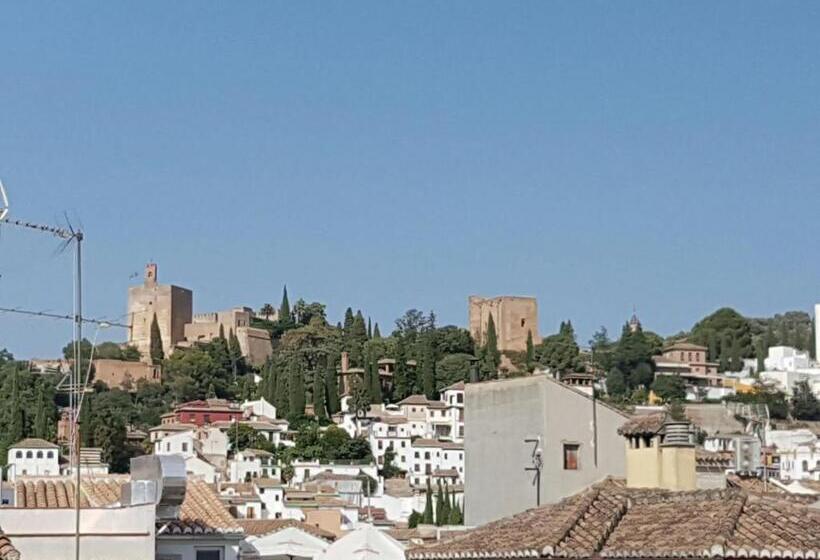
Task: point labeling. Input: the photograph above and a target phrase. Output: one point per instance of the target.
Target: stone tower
(172, 305)
(514, 317)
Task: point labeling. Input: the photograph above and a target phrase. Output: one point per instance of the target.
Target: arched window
(39, 454)
(29, 455)
(50, 454)
(805, 466)
(19, 455)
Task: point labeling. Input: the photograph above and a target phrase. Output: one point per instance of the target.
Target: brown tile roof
(608, 520)
(684, 345)
(391, 420)
(424, 442)
(643, 424)
(7, 550)
(59, 492)
(752, 484)
(202, 512)
(414, 399)
(714, 459)
(455, 387)
(34, 443)
(260, 527)
(267, 482)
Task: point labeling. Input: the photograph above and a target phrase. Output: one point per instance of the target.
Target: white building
(786, 366)
(453, 397)
(249, 464)
(305, 470)
(391, 432)
(259, 408)
(272, 494)
(436, 460)
(33, 457)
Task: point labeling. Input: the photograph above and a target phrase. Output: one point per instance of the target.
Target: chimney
(345, 362)
(150, 275)
(159, 480)
(659, 453)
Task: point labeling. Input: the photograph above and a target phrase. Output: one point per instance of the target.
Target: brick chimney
(345, 362)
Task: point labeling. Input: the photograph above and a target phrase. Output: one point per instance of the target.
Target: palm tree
(267, 310)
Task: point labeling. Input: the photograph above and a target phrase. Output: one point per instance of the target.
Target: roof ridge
(582, 508)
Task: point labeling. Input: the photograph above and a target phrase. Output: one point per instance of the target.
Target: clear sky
(390, 155)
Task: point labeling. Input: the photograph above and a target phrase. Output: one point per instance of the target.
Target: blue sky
(389, 155)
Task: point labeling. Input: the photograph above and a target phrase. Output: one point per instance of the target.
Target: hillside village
(229, 434)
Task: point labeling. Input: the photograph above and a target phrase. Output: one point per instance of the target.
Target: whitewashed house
(436, 460)
(391, 432)
(249, 464)
(33, 457)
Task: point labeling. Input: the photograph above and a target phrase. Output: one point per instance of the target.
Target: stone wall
(119, 373)
(172, 305)
(514, 318)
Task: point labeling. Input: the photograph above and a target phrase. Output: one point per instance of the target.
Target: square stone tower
(172, 305)
(514, 317)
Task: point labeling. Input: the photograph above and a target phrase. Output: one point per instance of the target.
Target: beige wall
(513, 316)
(656, 466)
(254, 342)
(114, 373)
(173, 307)
(327, 519)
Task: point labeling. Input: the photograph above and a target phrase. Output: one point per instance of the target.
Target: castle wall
(173, 307)
(513, 316)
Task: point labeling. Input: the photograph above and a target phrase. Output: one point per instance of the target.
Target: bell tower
(150, 275)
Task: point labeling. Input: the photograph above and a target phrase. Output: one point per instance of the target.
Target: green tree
(428, 370)
(376, 396)
(726, 324)
(415, 519)
(428, 517)
(359, 396)
(760, 354)
(331, 387)
(735, 360)
(390, 470)
(530, 352)
(725, 353)
(157, 353)
(812, 339)
(804, 402)
(16, 424)
(402, 387)
(235, 354)
(284, 308)
(266, 311)
(616, 383)
(41, 417)
(296, 389)
(282, 401)
(369, 329)
(559, 352)
(444, 514)
(376, 333)
(319, 404)
(439, 505)
(451, 369)
(304, 312)
(358, 336)
(669, 388)
(492, 354)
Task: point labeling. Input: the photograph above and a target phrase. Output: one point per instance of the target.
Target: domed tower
(634, 322)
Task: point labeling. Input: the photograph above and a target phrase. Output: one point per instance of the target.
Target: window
(209, 553)
(168, 447)
(805, 466)
(523, 322)
(28, 455)
(50, 455)
(571, 456)
(427, 455)
(184, 446)
(19, 454)
(39, 454)
(416, 467)
(460, 398)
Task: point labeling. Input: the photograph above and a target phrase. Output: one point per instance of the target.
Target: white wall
(260, 407)
(33, 466)
(184, 548)
(121, 533)
(181, 443)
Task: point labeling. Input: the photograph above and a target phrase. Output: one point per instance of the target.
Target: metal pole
(78, 376)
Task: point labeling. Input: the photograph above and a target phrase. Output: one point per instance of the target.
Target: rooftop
(608, 520)
(7, 550)
(423, 442)
(684, 345)
(260, 527)
(202, 512)
(643, 424)
(34, 443)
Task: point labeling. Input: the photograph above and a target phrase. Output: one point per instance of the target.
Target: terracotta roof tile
(609, 520)
(34, 443)
(58, 492)
(260, 527)
(643, 424)
(202, 512)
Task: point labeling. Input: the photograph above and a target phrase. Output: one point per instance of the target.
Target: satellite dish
(4, 202)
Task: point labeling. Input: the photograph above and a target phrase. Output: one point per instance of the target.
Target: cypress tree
(760, 353)
(319, 404)
(812, 338)
(530, 352)
(358, 336)
(235, 353)
(713, 346)
(736, 361)
(428, 369)
(454, 513)
(41, 415)
(211, 391)
(331, 387)
(492, 357)
(16, 425)
(296, 385)
(221, 335)
(439, 505)
(347, 328)
(282, 401)
(376, 396)
(157, 354)
(376, 333)
(725, 353)
(401, 388)
(445, 506)
(269, 393)
(428, 518)
(369, 329)
(284, 307)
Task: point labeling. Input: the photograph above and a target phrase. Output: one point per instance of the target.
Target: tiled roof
(455, 387)
(34, 443)
(7, 550)
(423, 442)
(415, 399)
(445, 473)
(610, 521)
(392, 420)
(684, 345)
(260, 527)
(59, 492)
(267, 482)
(644, 424)
(714, 459)
(173, 427)
(202, 512)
